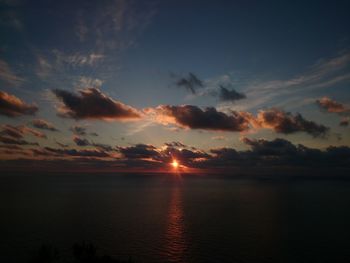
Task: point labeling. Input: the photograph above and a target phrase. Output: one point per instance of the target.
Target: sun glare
(175, 164)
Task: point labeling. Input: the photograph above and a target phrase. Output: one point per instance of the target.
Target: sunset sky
(133, 85)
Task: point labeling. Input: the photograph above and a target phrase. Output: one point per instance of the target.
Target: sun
(175, 164)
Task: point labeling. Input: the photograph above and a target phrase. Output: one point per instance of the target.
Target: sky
(127, 85)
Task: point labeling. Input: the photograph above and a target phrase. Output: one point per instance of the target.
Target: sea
(177, 218)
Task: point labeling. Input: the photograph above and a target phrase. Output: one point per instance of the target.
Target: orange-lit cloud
(12, 106)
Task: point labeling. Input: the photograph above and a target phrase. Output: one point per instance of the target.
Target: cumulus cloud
(193, 117)
(91, 103)
(287, 123)
(330, 105)
(12, 106)
(190, 83)
(43, 124)
(138, 151)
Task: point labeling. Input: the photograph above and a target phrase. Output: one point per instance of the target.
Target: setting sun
(175, 164)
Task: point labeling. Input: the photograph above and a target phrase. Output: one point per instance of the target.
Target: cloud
(260, 93)
(163, 155)
(116, 25)
(139, 151)
(11, 106)
(78, 130)
(193, 117)
(183, 155)
(15, 141)
(344, 122)
(78, 59)
(85, 142)
(276, 147)
(61, 144)
(190, 83)
(330, 105)
(277, 153)
(43, 124)
(81, 141)
(287, 123)
(175, 144)
(8, 76)
(230, 95)
(87, 82)
(20, 131)
(91, 103)
(14, 135)
(275, 157)
(70, 152)
(81, 30)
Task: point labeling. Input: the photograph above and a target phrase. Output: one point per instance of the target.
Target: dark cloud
(175, 144)
(185, 156)
(230, 94)
(278, 157)
(277, 153)
(81, 141)
(48, 151)
(91, 103)
(82, 131)
(11, 131)
(43, 124)
(285, 122)
(344, 122)
(193, 117)
(11, 106)
(84, 142)
(276, 147)
(15, 141)
(330, 105)
(164, 155)
(190, 83)
(139, 151)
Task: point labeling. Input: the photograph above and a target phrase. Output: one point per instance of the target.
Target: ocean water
(171, 218)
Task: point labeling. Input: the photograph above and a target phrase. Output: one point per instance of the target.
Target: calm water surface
(166, 218)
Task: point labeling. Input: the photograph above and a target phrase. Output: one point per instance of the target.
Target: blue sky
(282, 57)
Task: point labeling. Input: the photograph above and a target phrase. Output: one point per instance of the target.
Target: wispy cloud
(324, 73)
(8, 76)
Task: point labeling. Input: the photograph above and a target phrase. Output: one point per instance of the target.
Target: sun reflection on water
(175, 241)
